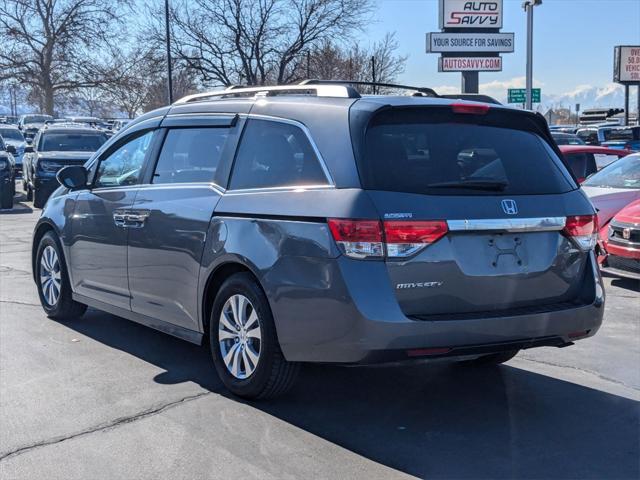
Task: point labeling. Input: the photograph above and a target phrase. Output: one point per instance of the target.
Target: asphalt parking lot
(105, 398)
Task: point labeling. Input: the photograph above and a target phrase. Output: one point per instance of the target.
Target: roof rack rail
(429, 92)
(235, 91)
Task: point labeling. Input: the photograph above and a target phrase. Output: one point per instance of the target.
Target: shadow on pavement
(435, 421)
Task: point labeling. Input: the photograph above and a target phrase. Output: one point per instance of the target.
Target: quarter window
(190, 155)
(124, 165)
(275, 154)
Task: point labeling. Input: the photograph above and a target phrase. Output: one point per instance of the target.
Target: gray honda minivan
(308, 223)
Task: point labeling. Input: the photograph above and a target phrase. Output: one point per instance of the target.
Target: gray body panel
(327, 307)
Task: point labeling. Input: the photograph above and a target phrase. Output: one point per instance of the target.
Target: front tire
(39, 199)
(244, 344)
(6, 198)
(54, 288)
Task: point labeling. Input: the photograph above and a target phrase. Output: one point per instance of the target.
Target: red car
(587, 159)
(622, 246)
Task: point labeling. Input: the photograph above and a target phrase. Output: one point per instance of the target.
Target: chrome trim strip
(541, 224)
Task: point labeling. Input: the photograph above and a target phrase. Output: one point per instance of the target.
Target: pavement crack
(583, 370)
(15, 302)
(103, 426)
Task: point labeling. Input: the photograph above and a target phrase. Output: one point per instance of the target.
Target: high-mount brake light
(470, 108)
(583, 229)
(395, 239)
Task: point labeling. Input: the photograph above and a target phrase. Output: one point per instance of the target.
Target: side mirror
(28, 149)
(11, 149)
(72, 177)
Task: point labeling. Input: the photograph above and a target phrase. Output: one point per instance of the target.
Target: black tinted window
(275, 154)
(582, 164)
(190, 155)
(71, 142)
(439, 153)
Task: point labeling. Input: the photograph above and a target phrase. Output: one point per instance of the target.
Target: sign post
(626, 70)
(470, 40)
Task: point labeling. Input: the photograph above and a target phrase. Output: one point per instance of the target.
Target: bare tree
(332, 62)
(52, 45)
(257, 42)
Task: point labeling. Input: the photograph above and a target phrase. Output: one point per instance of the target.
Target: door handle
(130, 218)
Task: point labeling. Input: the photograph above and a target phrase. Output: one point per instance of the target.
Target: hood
(33, 126)
(73, 156)
(609, 201)
(630, 213)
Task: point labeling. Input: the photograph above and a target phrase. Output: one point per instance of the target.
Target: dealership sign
(470, 64)
(626, 65)
(469, 42)
(470, 14)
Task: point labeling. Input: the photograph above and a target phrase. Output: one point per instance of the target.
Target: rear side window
(275, 154)
(190, 155)
(582, 164)
(439, 153)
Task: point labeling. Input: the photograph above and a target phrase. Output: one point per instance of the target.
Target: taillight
(395, 239)
(583, 229)
(358, 238)
(470, 108)
(406, 238)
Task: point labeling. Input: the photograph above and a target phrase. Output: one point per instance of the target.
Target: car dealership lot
(105, 398)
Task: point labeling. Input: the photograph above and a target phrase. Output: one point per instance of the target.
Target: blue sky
(573, 43)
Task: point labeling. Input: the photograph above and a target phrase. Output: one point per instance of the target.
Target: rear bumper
(365, 324)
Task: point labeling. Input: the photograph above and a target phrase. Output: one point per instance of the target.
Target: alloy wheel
(239, 336)
(50, 275)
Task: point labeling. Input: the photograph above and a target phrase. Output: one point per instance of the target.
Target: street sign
(519, 95)
(626, 65)
(470, 64)
(469, 42)
(466, 14)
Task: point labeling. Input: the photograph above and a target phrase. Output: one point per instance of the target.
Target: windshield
(618, 134)
(443, 153)
(71, 142)
(36, 118)
(624, 173)
(564, 139)
(11, 134)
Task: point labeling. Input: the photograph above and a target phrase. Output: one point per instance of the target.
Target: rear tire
(6, 198)
(255, 367)
(492, 359)
(54, 288)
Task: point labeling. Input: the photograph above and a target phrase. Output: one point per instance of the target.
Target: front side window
(124, 165)
(190, 155)
(275, 154)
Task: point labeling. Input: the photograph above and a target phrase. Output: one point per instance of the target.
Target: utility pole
(373, 74)
(626, 105)
(168, 40)
(528, 8)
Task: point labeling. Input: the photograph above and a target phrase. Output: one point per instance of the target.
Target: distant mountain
(588, 96)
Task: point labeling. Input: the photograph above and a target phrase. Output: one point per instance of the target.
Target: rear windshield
(418, 151)
(624, 173)
(71, 142)
(619, 134)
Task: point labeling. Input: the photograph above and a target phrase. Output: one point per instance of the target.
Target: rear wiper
(471, 184)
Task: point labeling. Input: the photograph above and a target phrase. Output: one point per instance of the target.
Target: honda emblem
(509, 206)
(626, 233)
